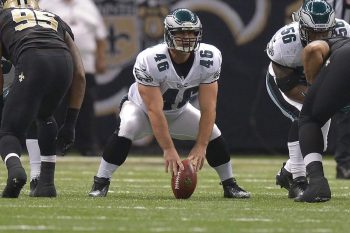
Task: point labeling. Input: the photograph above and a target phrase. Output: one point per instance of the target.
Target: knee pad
(47, 133)
(217, 152)
(116, 149)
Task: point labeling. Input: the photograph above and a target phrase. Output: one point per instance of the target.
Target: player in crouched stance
(167, 76)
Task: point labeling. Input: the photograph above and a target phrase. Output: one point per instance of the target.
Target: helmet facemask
(183, 31)
(316, 21)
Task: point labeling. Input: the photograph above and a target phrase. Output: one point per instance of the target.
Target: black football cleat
(45, 190)
(284, 178)
(32, 186)
(317, 191)
(298, 187)
(234, 191)
(343, 171)
(15, 183)
(100, 187)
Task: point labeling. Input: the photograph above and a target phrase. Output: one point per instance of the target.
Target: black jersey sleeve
(66, 28)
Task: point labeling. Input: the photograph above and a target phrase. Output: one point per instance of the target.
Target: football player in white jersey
(286, 83)
(167, 76)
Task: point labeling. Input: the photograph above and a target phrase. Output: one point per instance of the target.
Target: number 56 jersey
(23, 28)
(154, 67)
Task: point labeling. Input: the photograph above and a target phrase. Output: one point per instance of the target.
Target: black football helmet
(181, 20)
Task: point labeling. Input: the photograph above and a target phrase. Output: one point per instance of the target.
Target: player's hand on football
(197, 156)
(172, 161)
(65, 139)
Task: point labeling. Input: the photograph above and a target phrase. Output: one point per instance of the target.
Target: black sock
(315, 169)
(47, 172)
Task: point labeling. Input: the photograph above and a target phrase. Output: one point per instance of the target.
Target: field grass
(141, 200)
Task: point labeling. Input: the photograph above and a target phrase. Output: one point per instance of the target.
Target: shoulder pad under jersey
(285, 47)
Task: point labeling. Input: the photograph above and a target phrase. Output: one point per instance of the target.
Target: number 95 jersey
(23, 28)
(154, 67)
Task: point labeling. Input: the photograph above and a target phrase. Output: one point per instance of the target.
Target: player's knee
(217, 152)
(47, 132)
(116, 149)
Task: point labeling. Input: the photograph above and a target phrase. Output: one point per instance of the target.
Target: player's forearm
(160, 129)
(312, 64)
(206, 125)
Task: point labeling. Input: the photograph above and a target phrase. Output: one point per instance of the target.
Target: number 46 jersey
(23, 28)
(154, 67)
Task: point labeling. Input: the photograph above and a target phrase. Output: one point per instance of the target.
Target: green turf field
(141, 200)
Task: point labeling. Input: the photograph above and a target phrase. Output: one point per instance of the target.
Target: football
(184, 182)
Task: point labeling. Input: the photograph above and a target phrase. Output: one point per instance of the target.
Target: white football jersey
(285, 47)
(153, 67)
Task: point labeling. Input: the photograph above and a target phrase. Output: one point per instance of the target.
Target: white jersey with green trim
(285, 47)
(154, 67)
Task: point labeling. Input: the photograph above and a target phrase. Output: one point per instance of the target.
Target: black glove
(6, 66)
(65, 139)
(66, 134)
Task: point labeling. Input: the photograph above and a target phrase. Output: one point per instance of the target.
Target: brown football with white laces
(185, 181)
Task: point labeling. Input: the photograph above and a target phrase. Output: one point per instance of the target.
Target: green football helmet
(316, 16)
(181, 20)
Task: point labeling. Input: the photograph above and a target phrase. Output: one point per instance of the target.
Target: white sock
(224, 171)
(297, 165)
(34, 157)
(312, 157)
(287, 166)
(106, 169)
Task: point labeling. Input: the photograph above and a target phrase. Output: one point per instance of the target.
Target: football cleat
(45, 190)
(15, 183)
(343, 171)
(284, 178)
(317, 191)
(100, 187)
(298, 187)
(32, 185)
(234, 191)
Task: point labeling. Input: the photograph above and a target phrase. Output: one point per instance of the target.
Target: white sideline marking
(252, 220)
(27, 227)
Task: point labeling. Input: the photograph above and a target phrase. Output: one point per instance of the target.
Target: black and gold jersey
(24, 28)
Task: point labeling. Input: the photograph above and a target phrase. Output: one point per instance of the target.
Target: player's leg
(341, 124)
(133, 125)
(34, 157)
(325, 97)
(217, 154)
(292, 173)
(19, 111)
(58, 74)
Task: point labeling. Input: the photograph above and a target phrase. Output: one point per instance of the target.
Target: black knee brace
(47, 133)
(116, 150)
(217, 152)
